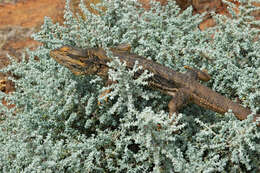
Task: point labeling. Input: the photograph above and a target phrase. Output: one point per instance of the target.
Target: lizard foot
(198, 74)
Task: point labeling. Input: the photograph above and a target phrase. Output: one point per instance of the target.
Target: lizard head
(80, 61)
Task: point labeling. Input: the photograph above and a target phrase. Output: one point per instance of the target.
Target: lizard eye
(80, 60)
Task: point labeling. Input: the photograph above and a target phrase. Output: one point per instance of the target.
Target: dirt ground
(18, 20)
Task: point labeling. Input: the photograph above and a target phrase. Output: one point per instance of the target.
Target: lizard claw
(200, 74)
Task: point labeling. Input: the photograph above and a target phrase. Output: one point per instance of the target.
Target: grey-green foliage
(58, 126)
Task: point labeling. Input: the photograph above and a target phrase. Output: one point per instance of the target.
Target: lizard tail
(209, 99)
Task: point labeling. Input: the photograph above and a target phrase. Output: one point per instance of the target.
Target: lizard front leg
(104, 71)
(105, 92)
(180, 98)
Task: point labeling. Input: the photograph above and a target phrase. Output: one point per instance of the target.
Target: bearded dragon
(183, 87)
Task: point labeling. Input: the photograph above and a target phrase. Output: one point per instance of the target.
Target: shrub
(58, 126)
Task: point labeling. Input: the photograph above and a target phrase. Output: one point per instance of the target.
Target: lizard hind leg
(180, 98)
(124, 47)
(197, 74)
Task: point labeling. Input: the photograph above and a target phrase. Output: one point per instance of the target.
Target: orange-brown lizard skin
(183, 87)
